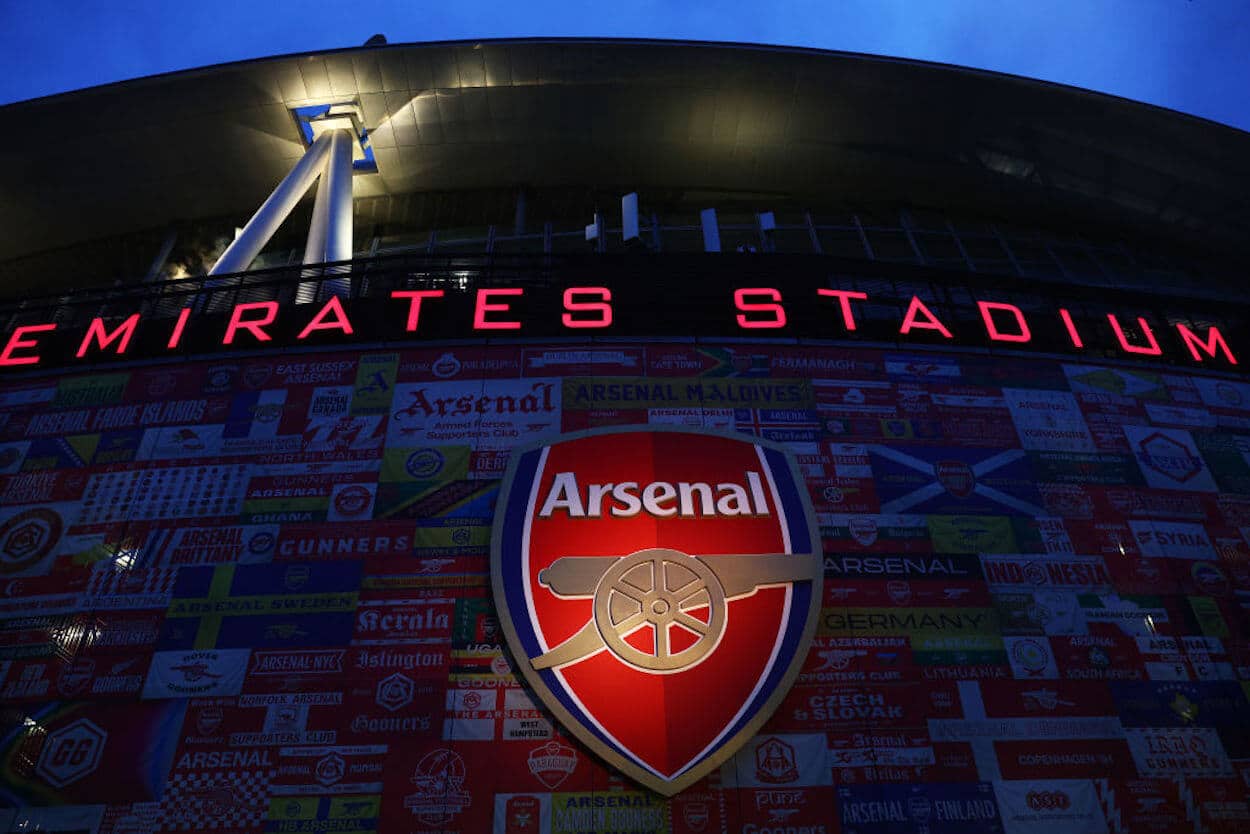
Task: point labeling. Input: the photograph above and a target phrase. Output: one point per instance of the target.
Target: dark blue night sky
(1189, 55)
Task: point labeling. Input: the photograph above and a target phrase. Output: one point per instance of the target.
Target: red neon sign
(777, 312)
(596, 307)
(988, 308)
(483, 305)
(18, 341)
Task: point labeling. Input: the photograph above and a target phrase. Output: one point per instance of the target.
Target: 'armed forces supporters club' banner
(254, 594)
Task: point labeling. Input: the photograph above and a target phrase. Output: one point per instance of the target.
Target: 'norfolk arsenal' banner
(659, 588)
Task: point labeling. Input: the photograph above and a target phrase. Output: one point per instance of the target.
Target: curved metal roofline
(624, 41)
(815, 129)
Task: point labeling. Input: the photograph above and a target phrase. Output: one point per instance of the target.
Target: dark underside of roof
(809, 127)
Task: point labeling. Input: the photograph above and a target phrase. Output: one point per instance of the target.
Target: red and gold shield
(659, 589)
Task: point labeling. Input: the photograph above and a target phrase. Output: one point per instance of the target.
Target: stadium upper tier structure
(551, 436)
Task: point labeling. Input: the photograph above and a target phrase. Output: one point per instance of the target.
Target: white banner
(769, 761)
(196, 674)
(1044, 806)
(1169, 459)
(1172, 539)
(495, 416)
(1049, 420)
(1192, 752)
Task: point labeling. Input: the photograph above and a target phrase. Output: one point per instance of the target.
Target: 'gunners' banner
(659, 589)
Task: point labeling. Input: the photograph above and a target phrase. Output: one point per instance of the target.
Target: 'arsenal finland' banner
(659, 588)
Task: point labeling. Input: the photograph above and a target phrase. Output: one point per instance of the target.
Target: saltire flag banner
(919, 479)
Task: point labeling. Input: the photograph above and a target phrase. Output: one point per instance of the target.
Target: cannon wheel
(658, 588)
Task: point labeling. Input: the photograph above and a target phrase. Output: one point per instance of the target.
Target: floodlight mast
(330, 234)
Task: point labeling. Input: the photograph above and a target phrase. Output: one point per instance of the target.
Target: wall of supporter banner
(252, 594)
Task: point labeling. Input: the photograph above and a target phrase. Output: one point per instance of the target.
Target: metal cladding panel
(577, 111)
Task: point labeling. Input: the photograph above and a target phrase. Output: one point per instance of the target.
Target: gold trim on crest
(660, 588)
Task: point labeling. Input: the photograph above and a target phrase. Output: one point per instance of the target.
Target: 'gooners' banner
(659, 589)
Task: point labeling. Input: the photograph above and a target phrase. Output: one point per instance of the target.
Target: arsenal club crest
(659, 589)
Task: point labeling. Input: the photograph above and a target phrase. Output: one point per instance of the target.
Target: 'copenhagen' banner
(620, 308)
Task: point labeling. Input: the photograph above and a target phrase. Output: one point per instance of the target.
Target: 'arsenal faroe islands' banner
(659, 588)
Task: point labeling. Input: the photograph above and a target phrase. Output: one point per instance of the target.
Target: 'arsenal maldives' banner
(659, 588)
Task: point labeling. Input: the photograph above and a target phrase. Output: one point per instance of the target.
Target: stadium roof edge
(643, 114)
(744, 45)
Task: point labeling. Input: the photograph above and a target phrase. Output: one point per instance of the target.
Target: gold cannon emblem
(660, 588)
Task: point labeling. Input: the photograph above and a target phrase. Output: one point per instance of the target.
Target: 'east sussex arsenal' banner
(659, 589)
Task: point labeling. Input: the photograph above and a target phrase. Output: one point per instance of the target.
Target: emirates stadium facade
(344, 396)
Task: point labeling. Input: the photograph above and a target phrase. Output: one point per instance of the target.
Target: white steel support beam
(240, 254)
(315, 247)
(330, 234)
